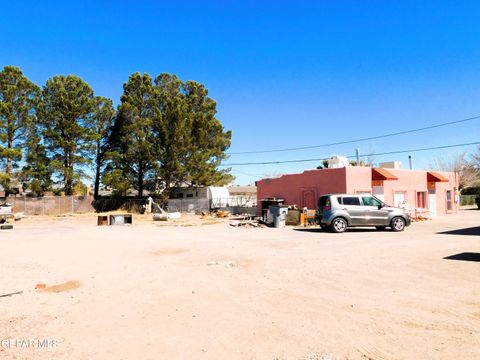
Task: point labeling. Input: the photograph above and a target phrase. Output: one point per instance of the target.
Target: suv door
(375, 212)
(353, 206)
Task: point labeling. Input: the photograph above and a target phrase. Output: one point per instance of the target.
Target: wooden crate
(293, 218)
(121, 219)
(102, 220)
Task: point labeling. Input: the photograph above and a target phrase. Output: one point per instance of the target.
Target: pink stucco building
(434, 192)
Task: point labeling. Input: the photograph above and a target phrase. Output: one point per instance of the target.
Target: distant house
(203, 198)
(435, 193)
(243, 195)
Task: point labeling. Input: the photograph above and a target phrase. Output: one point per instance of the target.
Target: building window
(449, 200)
(180, 196)
(189, 195)
(422, 199)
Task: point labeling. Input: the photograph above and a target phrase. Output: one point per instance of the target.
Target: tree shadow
(465, 231)
(465, 256)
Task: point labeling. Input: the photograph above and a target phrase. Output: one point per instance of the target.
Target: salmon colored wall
(441, 192)
(409, 181)
(359, 179)
(413, 181)
(292, 187)
(298, 188)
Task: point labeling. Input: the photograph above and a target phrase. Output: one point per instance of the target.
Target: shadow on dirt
(465, 231)
(352, 230)
(465, 256)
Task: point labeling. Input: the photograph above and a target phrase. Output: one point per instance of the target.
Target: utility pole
(410, 161)
(357, 152)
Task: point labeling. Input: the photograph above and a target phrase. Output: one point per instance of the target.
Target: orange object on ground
(40, 286)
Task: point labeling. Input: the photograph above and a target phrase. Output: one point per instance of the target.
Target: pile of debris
(159, 214)
(222, 213)
(247, 221)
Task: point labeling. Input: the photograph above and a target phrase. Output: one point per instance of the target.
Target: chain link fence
(52, 205)
(188, 205)
(58, 205)
(234, 205)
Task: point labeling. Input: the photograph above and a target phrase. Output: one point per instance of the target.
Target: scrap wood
(247, 223)
(223, 214)
(243, 217)
(13, 293)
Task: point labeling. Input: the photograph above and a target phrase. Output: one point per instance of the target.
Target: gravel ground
(217, 292)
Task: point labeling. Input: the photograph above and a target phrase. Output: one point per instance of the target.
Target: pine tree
(130, 141)
(166, 133)
(68, 118)
(36, 174)
(19, 99)
(103, 119)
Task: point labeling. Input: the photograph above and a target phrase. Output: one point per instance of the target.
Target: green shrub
(471, 191)
(467, 200)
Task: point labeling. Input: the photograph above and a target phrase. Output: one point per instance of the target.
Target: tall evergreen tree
(103, 118)
(166, 133)
(68, 117)
(18, 110)
(171, 131)
(36, 174)
(191, 141)
(208, 140)
(130, 142)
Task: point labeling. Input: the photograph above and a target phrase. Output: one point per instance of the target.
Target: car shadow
(465, 256)
(465, 231)
(320, 230)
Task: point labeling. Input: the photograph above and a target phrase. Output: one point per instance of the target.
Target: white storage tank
(218, 195)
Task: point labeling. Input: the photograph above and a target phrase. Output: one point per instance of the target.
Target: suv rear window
(322, 201)
(354, 200)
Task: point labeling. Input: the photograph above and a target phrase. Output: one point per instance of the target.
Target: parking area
(211, 291)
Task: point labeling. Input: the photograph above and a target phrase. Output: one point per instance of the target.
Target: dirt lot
(217, 292)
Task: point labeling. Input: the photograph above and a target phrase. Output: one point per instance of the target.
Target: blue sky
(284, 74)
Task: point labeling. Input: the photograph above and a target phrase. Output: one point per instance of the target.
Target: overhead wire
(351, 156)
(358, 140)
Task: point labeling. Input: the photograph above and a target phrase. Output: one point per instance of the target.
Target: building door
(432, 200)
(449, 200)
(308, 199)
(422, 200)
(399, 198)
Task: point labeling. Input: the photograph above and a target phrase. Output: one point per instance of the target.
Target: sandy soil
(150, 291)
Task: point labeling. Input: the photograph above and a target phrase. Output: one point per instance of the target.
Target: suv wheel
(339, 225)
(398, 224)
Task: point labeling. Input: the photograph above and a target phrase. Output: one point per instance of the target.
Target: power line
(247, 174)
(351, 156)
(358, 140)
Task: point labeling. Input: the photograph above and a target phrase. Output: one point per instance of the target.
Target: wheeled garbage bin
(279, 215)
